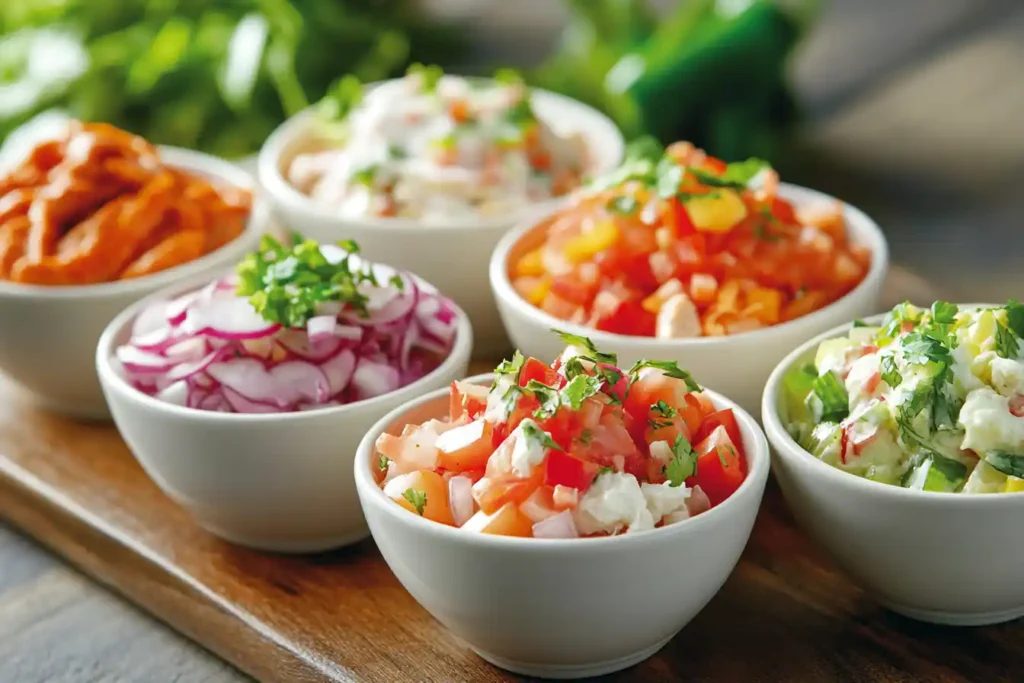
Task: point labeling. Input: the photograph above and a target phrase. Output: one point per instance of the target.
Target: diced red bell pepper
(684, 226)
(571, 288)
(565, 470)
(639, 275)
(783, 211)
(629, 318)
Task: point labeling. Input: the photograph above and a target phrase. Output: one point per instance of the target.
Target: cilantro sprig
(416, 498)
(286, 284)
(683, 464)
(534, 433)
(1010, 464)
(591, 352)
(668, 367)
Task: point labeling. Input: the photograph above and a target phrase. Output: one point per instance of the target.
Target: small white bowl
(49, 334)
(453, 256)
(944, 558)
(277, 482)
(736, 365)
(561, 608)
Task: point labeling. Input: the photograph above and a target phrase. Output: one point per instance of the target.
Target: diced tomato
(467, 399)
(540, 505)
(465, 448)
(669, 428)
(611, 445)
(683, 224)
(1017, 405)
(433, 489)
(621, 387)
(638, 274)
(783, 211)
(540, 371)
(714, 165)
(506, 521)
(720, 469)
(563, 426)
(722, 418)
(563, 469)
(650, 389)
(491, 494)
(572, 289)
(629, 318)
(692, 412)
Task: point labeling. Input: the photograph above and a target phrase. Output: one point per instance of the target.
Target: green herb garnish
(669, 368)
(383, 462)
(550, 399)
(592, 354)
(510, 367)
(508, 76)
(342, 97)
(416, 498)
(585, 436)
(831, 394)
(366, 175)
(286, 284)
(578, 390)
(890, 373)
(664, 409)
(670, 177)
(623, 205)
(683, 464)
(742, 172)
(1015, 317)
(429, 75)
(1009, 464)
(534, 433)
(1007, 345)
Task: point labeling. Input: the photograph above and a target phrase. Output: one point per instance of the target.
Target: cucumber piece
(934, 472)
(825, 438)
(831, 353)
(796, 386)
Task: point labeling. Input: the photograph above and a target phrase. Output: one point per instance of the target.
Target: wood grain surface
(344, 617)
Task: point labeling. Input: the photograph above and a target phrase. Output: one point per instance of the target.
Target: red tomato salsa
(677, 244)
(574, 449)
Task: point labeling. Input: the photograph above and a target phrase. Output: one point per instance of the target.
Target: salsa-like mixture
(932, 400)
(679, 244)
(97, 205)
(573, 449)
(295, 328)
(436, 148)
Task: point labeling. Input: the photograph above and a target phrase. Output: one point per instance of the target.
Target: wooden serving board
(784, 615)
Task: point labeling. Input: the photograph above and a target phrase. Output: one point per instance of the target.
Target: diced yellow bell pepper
(540, 292)
(530, 265)
(1014, 485)
(591, 242)
(656, 300)
(718, 212)
(764, 304)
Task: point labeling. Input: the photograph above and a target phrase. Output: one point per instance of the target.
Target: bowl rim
(788, 449)
(873, 238)
(111, 380)
(371, 494)
(295, 128)
(194, 162)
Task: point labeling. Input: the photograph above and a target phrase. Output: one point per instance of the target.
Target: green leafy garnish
(510, 367)
(550, 400)
(342, 97)
(534, 433)
(383, 462)
(712, 180)
(683, 464)
(1015, 317)
(585, 436)
(742, 172)
(670, 177)
(832, 396)
(645, 148)
(860, 323)
(890, 373)
(668, 367)
(286, 284)
(574, 367)
(416, 498)
(623, 205)
(429, 75)
(1009, 464)
(507, 76)
(592, 354)
(664, 409)
(611, 377)
(894, 319)
(578, 390)
(944, 313)
(1007, 345)
(366, 175)
(397, 282)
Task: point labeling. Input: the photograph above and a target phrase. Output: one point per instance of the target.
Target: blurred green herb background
(219, 76)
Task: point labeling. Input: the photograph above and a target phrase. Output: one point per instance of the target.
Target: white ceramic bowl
(945, 558)
(561, 608)
(737, 365)
(452, 256)
(277, 482)
(48, 335)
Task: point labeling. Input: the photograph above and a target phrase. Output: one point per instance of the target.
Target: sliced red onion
(298, 381)
(176, 310)
(559, 526)
(186, 351)
(321, 328)
(297, 342)
(460, 499)
(176, 394)
(374, 379)
(348, 332)
(242, 404)
(232, 319)
(153, 318)
(136, 360)
(216, 401)
(338, 370)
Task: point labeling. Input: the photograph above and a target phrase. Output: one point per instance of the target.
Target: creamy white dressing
(664, 499)
(529, 449)
(612, 503)
(462, 151)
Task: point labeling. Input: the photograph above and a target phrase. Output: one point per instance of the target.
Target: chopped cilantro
(396, 151)
(645, 148)
(416, 498)
(429, 75)
(574, 367)
(510, 367)
(703, 194)
(742, 172)
(550, 400)
(944, 313)
(285, 284)
(683, 464)
(1007, 345)
(592, 354)
(366, 175)
(397, 282)
(342, 97)
(1008, 463)
(623, 205)
(890, 373)
(585, 436)
(664, 409)
(712, 180)
(534, 433)
(831, 394)
(670, 368)
(611, 377)
(670, 177)
(579, 389)
(1015, 317)
(892, 324)
(383, 462)
(860, 323)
